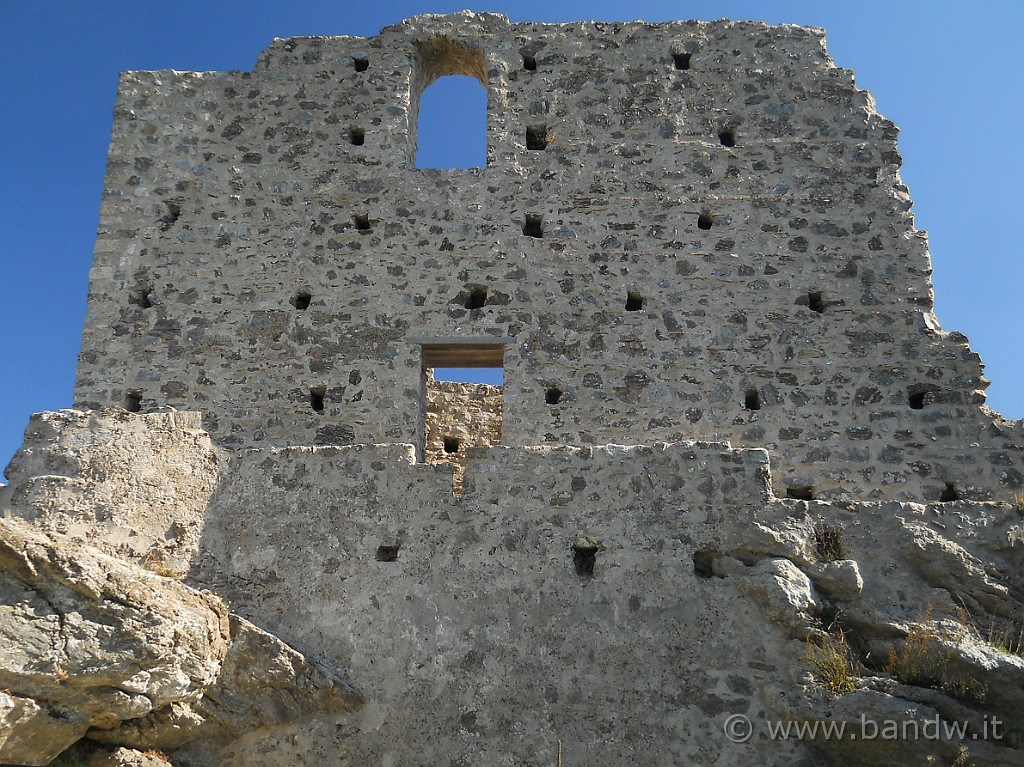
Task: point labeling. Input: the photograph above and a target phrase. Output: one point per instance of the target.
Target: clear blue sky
(946, 73)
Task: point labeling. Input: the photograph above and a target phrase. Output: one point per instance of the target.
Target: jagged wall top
(686, 230)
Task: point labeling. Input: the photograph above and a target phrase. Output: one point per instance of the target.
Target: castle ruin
(728, 414)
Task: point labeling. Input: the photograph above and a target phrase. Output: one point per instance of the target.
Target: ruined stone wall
(686, 235)
(469, 625)
(622, 600)
(460, 417)
(726, 252)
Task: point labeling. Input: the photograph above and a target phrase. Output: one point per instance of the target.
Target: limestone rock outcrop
(133, 487)
(929, 597)
(98, 646)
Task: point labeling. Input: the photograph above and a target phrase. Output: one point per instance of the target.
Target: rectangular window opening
(462, 401)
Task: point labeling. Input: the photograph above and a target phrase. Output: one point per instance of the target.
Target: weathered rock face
(691, 253)
(133, 487)
(128, 757)
(97, 640)
(97, 646)
(952, 575)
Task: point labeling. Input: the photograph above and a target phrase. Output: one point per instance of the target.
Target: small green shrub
(832, 660)
(922, 661)
(1003, 634)
(828, 540)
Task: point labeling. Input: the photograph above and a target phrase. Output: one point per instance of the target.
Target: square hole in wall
(537, 137)
(316, 398)
(143, 298)
(800, 492)
(477, 297)
(752, 399)
(704, 563)
(584, 559)
(918, 395)
(534, 226)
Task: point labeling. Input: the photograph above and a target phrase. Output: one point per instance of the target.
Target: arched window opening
(449, 106)
(452, 126)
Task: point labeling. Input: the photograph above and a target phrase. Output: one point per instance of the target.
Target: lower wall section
(622, 601)
(555, 601)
